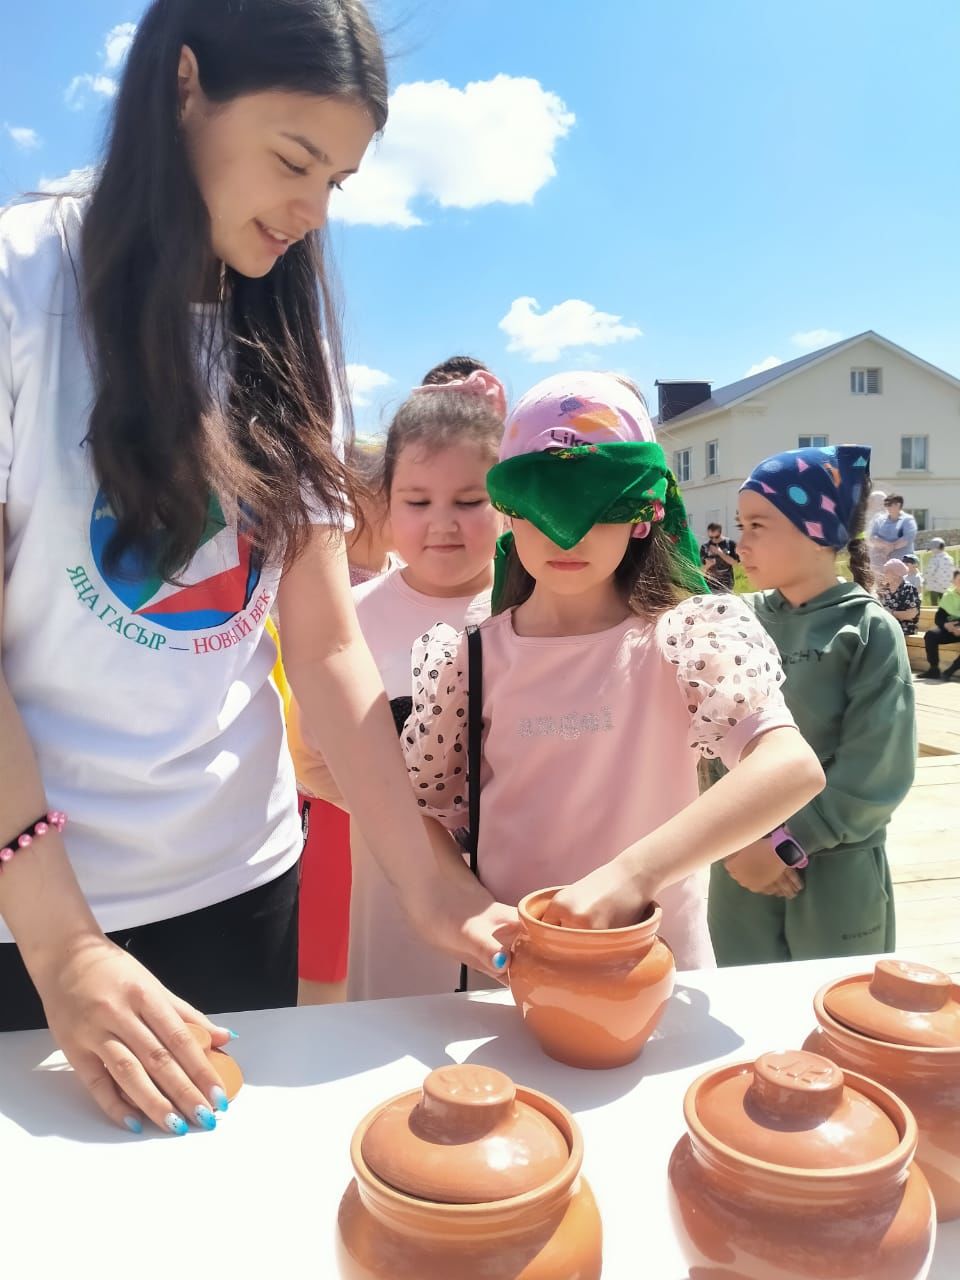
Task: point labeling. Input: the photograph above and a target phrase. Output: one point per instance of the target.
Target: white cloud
(76, 180)
(490, 143)
(22, 137)
(771, 362)
(80, 88)
(117, 44)
(364, 381)
(542, 336)
(815, 338)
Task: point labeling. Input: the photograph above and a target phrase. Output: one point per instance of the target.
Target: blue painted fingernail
(234, 1035)
(205, 1118)
(219, 1098)
(500, 960)
(176, 1124)
(133, 1124)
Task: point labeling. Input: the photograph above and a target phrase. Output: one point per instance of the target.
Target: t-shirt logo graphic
(218, 584)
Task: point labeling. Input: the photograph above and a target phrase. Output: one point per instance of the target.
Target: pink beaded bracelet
(53, 821)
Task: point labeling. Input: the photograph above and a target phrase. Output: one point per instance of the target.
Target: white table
(258, 1198)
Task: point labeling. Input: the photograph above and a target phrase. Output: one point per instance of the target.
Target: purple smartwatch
(787, 849)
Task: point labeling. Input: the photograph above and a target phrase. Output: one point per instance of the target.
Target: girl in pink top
(604, 680)
(440, 446)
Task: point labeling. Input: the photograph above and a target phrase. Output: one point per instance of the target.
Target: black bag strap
(474, 754)
(474, 736)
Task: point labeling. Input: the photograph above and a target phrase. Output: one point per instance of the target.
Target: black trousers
(238, 954)
(933, 639)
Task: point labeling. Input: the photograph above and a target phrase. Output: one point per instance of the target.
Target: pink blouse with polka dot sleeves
(728, 670)
(434, 739)
(591, 742)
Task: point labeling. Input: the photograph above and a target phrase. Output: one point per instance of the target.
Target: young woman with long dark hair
(169, 375)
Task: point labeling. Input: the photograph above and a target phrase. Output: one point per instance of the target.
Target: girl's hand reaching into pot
(605, 899)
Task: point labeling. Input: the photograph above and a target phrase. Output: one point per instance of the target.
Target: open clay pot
(591, 997)
(900, 1026)
(468, 1178)
(226, 1068)
(792, 1168)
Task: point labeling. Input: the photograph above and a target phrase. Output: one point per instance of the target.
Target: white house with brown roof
(864, 390)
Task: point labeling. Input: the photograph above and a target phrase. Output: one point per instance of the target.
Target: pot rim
(647, 927)
(478, 1214)
(826, 1019)
(884, 1166)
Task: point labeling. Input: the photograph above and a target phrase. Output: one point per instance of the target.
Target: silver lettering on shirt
(569, 726)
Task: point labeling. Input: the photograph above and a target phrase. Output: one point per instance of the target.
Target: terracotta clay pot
(468, 1178)
(900, 1026)
(226, 1068)
(795, 1170)
(591, 997)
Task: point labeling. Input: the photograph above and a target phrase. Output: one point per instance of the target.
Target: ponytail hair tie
(482, 383)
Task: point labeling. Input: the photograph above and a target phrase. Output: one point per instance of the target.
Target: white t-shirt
(150, 706)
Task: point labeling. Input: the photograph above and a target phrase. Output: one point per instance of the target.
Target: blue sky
(682, 189)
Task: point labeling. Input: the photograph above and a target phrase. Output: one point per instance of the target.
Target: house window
(681, 466)
(865, 382)
(922, 517)
(713, 457)
(812, 442)
(913, 453)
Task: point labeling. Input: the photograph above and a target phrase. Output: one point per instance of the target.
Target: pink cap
(571, 409)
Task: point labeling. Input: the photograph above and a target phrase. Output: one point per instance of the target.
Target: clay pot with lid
(900, 1026)
(591, 997)
(468, 1178)
(794, 1169)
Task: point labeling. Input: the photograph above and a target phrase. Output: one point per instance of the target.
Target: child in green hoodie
(849, 687)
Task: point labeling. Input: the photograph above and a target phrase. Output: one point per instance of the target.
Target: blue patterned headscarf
(816, 489)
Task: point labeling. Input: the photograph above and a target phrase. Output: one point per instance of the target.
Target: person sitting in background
(718, 555)
(940, 570)
(898, 597)
(914, 577)
(946, 630)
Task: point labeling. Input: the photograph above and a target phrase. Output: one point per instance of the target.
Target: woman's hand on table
(125, 1035)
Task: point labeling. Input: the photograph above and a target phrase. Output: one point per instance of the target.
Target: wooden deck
(924, 842)
(938, 717)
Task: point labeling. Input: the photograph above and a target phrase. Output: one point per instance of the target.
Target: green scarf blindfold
(565, 492)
